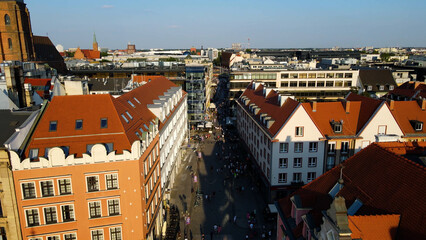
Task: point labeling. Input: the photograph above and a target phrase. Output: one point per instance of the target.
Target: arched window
(7, 19)
(9, 41)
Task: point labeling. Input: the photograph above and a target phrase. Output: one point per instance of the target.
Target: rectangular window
(113, 207)
(52, 238)
(128, 114)
(348, 75)
(53, 125)
(282, 177)
(33, 154)
(382, 130)
(418, 126)
(297, 177)
(344, 147)
(321, 75)
(330, 75)
(320, 84)
(337, 127)
(313, 146)
(298, 147)
(47, 188)
(92, 183)
(28, 190)
(64, 186)
(330, 162)
(50, 215)
(97, 235)
(104, 122)
(136, 100)
(332, 148)
(284, 75)
(299, 132)
(3, 235)
(115, 233)
(70, 236)
(343, 158)
(125, 119)
(283, 162)
(112, 181)
(67, 213)
(32, 217)
(78, 124)
(312, 162)
(311, 176)
(311, 75)
(95, 209)
(297, 162)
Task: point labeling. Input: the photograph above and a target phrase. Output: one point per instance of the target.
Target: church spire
(95, 43)
(94, 38)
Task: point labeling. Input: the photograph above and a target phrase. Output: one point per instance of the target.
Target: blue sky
(219, 23)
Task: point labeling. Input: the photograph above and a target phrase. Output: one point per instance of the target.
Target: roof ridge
(401, 157)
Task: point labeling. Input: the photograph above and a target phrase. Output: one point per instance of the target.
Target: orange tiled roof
(91, 54)
(270, 105)
(40, 82)
(406, 111)
(377, 227)
(148, 78)
(385, 183)
(91, 108)
(335, 111)
(368, 107)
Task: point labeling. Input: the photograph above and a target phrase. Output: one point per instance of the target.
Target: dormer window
(370, 88)
(391, 87)
(381, 88)
(128, 114)
(124, 117)
(417, 125)
(337, 126)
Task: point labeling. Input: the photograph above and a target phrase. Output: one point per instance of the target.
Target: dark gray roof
(108, 84)
(376, 78)
(9, 121)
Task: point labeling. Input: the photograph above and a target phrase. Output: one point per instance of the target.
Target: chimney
(423, 104)
(314, 106)
(348, 106)
(392, 105)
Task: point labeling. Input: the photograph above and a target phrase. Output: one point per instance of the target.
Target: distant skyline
(219, 23)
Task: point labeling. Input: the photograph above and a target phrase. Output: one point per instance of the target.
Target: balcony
(386, 137)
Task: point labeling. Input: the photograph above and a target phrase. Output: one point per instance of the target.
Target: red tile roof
(269, 105)
(375, 227)
(368, 108)
(91, 108)
(91, 54)
(326, 112)
(403, 148)
(406, 111)
(148, 78)
(385, 183)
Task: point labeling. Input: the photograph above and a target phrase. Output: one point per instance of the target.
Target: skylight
(354, 207)
(104, 122)
(136, 100)
(333, 192)
(53, 126)
(124, 117)
(78, 124)
(128, 114)
(131, 104)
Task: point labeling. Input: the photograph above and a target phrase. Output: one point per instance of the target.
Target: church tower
(95, 43)
(16, 37)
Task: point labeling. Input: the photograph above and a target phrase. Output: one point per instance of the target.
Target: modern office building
(195, 86)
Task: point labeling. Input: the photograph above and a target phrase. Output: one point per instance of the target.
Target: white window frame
(73, 233)
(106, 182)
(310, 177)
(73, 212)
(310, 163)
(53, 187)
(26, 217)
(59, 187)
(331, 150)
(315, 149)
(342, 150)
(299, 131)
(121, 232)
(300, 179)
(87, 184)
(280, 180)
(22, 190)
(283, 165)
(55, 236)
(119, 206)
(103, 234)
(297, 164)
(380, 129)
(297, 149)
(418, 126)
(44, 215)
(88, 208)
(285, 147)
